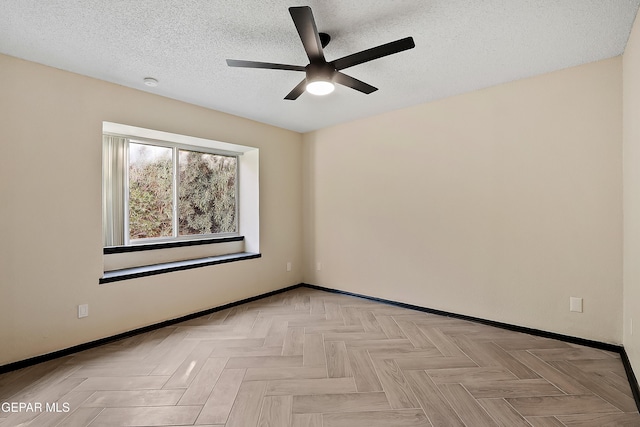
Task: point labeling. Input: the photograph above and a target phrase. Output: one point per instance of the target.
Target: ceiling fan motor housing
(320, 72)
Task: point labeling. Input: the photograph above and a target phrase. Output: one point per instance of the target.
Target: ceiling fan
(320, 74)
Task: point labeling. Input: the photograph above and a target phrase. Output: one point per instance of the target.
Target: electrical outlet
(83, 310)
(575, 304)
(289, 266)
(318, 266)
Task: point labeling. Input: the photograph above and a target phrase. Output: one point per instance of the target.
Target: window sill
(168, 267)
(130, 257)
(167, 245)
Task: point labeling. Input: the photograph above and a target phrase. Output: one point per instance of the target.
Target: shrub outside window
(165, 191)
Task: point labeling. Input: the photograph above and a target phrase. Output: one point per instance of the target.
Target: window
(171, 191)
(172, 202)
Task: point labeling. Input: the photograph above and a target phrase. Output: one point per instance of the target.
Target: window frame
(126, 262)
(175, 147)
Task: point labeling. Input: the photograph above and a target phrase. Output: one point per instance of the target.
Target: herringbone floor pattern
(316, 359)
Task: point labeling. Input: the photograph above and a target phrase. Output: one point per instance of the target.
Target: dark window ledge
(168, 267)
(166, 245)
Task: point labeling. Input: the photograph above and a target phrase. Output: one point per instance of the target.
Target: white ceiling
(461, 45)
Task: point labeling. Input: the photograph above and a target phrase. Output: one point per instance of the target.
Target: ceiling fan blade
(353, 83)
(374, 53)
(269, 65)
(297, 91)
(306, 26)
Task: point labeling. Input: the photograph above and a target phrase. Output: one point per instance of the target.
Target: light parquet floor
(308, 358)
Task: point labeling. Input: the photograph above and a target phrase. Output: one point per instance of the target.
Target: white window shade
(114, 161)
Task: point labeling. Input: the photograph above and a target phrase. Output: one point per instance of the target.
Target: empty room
(319, 214)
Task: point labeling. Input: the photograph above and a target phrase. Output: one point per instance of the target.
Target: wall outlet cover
(83, 310)
(575, 304)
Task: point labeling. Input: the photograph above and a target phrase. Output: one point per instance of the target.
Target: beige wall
(631, 167)
(500, 204)
(50, 211)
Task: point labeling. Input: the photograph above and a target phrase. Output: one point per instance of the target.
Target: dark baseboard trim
(633, 382)
(86, 346)
(537, 332)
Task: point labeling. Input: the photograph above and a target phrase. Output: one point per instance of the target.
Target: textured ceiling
(461, 45)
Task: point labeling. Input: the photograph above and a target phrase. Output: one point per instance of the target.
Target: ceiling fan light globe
(320, 87)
